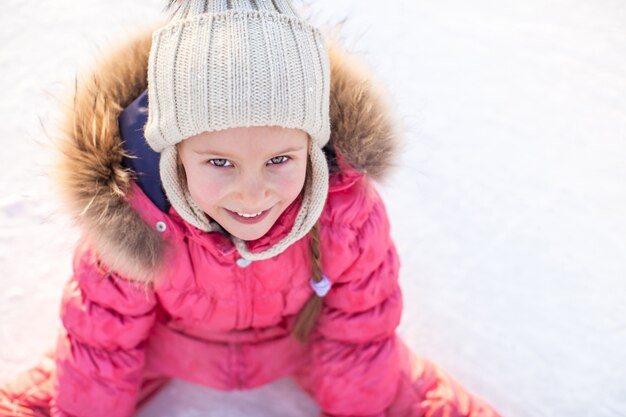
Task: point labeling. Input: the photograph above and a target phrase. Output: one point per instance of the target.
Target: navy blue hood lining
(145, 161)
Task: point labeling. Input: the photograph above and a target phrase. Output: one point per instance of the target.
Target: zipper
(243, 319)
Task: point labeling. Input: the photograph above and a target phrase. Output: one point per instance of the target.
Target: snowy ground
(509, 207)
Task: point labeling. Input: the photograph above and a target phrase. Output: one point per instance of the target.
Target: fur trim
(94, 184)
(362, 127)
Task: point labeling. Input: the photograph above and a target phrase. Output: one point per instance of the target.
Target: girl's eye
(278, 160)
(219, 162)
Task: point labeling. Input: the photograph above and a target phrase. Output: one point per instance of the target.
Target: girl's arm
(353, 369)
(359, 366)
(100, 351)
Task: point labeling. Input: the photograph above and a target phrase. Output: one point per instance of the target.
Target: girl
(221, 172)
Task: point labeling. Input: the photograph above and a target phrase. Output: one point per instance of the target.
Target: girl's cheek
(203, 182)
(289, 182)
(293, 180)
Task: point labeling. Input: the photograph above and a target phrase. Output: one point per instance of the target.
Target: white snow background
(508, 208)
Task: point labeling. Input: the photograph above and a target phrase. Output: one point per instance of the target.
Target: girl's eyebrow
(227, 155)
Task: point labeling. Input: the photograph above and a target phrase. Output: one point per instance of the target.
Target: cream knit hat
(221, 64)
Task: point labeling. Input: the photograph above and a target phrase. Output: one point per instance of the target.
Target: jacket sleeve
(100, 351)
(354, 369)
(359, 366)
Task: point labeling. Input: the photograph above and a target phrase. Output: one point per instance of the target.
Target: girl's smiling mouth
(249, 218)
(249, 215)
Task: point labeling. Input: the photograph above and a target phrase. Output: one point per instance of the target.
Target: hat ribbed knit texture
(222, 64)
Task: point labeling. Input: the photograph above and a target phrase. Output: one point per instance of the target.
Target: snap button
(161, 226)
(243, 262)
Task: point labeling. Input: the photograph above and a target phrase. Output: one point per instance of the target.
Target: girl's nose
(253, 191)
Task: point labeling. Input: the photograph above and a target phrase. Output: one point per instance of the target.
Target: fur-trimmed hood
(94, 183)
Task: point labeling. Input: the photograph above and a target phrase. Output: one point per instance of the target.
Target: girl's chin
(247, 236)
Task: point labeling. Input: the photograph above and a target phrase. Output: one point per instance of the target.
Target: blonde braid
(310, 312)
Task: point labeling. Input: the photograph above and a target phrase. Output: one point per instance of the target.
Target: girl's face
(244, 178)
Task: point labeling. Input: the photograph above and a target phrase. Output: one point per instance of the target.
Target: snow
(508, 206)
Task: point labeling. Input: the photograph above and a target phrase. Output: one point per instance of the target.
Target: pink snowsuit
(152, 297)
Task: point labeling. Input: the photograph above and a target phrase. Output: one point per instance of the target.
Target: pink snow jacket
(150, 291)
